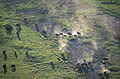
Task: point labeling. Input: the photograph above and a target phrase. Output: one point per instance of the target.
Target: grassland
(38, 65)
(112, 46)
(39, 48)
(111, 8)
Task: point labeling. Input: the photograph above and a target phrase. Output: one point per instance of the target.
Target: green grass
(112, 9)
(90, 11)
(71, 37)
(37, 66)
(86, 41)
(38, 47)
(114, 75)
(114, 55)
(112, 47)
(29, 68)
(26, 5)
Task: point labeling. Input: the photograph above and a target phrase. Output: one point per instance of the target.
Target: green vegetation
(92, 11)
(26, 6)
(71, 37)
(114, 75)
(86, 41)
(66, 23)
(110, 6)
(38, 48)
(114, 68)
(114, 56)
(37, 66)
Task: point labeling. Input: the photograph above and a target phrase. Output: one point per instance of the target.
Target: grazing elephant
(5, 68)
(25, 21)
(52, 65)
(18, 35)
(27, 55)
(15, 54)
(37, 28)
(9, 29)
(44, 33)
(13, 67)
(5, 57)
(18, 27)
(4, 52)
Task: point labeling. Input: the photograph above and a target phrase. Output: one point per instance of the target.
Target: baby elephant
(5, 57)
(4, 52)
(9, 28)
(52, 65)
(15, 54)
(27, 55)
(13, 67)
